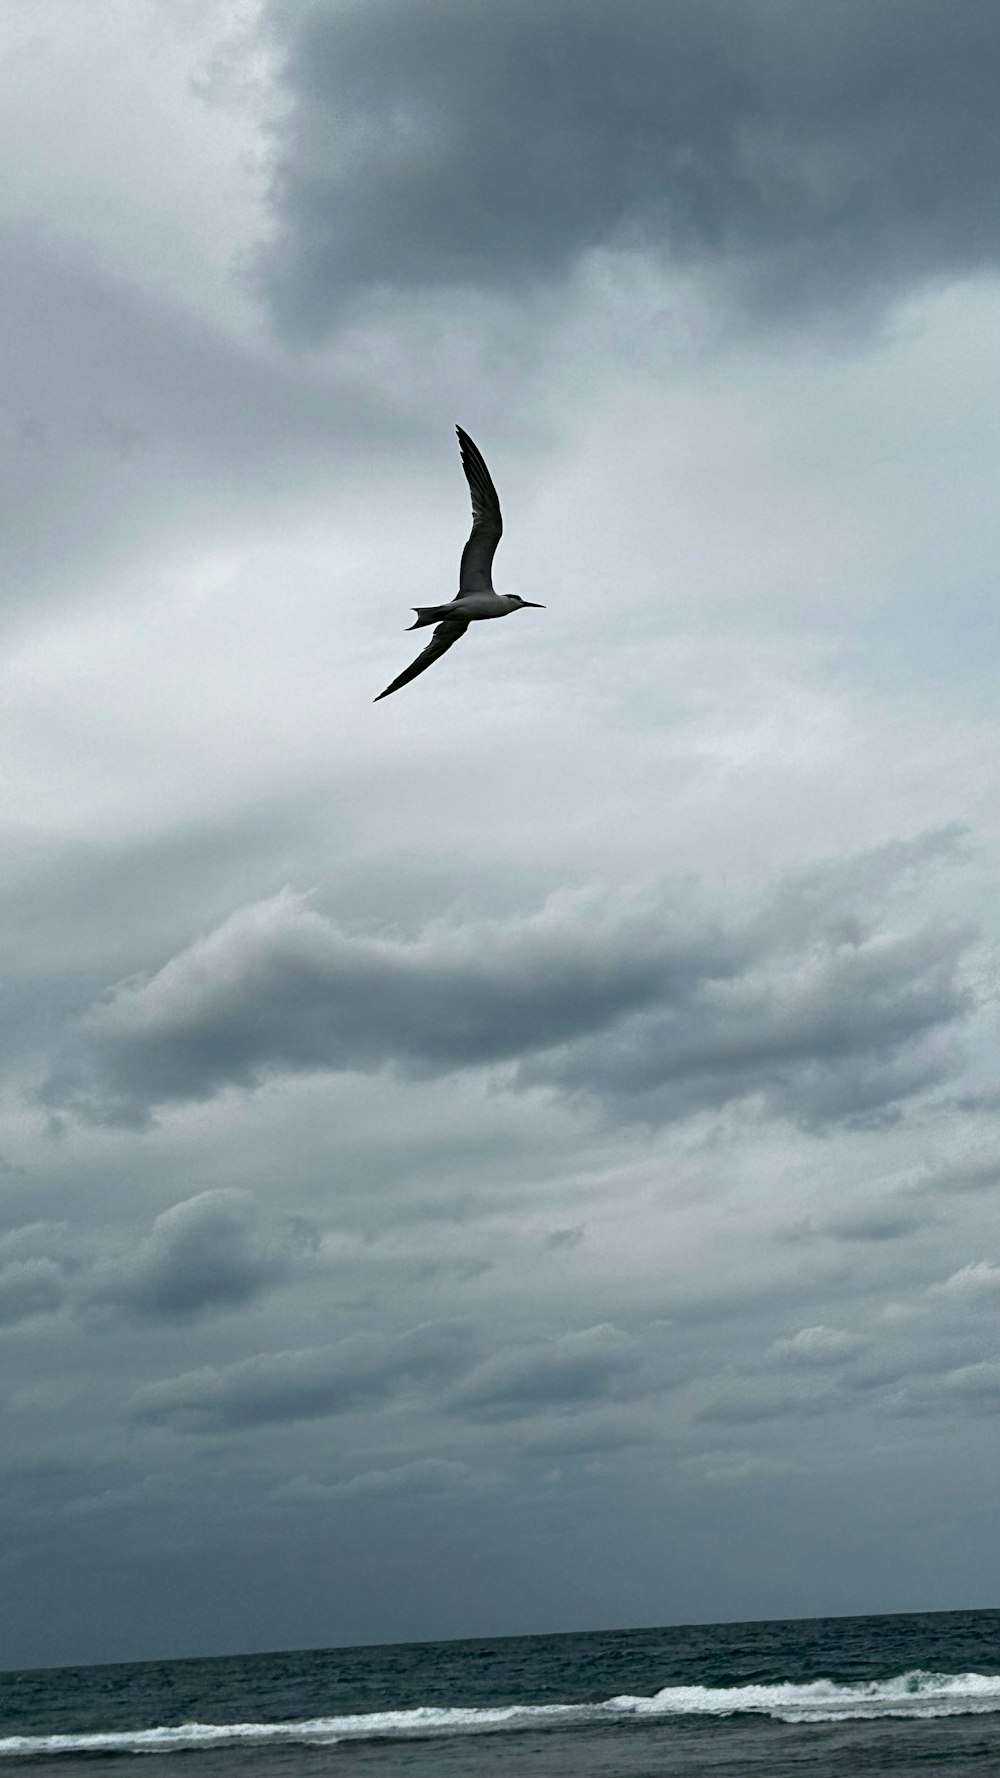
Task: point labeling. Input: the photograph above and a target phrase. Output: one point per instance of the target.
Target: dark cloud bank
(361, 1372)
(560, 1373)
(816, 152)
(818, 1005)
(210, 1252)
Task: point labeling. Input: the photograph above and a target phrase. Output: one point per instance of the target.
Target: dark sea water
(909, 1697)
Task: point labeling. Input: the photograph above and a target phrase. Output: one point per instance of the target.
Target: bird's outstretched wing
(445, 634)
(475, 574)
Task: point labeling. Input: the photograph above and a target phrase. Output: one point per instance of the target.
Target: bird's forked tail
(426, 614)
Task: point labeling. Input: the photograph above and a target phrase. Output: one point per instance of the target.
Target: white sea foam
(915, 1694)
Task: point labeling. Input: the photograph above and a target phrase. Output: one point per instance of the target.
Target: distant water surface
(905, 1697)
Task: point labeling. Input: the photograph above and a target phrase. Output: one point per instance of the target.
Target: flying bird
(475, 598)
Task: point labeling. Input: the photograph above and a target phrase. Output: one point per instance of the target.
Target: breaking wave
(916, 1694)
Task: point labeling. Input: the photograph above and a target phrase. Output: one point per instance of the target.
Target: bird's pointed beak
(534, 604)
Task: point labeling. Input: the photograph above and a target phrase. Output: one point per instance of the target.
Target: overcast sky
(524, 1155)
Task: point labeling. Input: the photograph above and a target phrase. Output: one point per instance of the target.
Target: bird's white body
(475, 598)
(474, 605)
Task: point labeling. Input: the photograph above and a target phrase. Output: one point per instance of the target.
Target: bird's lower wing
(444, 635)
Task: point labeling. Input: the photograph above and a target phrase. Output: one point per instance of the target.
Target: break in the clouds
(813, 154)
(644, 1006)
(527, 1149)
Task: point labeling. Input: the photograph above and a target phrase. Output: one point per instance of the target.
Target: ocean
(909, 1696)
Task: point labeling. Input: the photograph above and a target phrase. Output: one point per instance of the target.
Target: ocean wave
(916, 1694)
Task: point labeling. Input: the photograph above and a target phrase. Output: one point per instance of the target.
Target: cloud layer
(637, 1005)
(537, 1136)
(311, 1384)
(811, 153)
(207, 1253)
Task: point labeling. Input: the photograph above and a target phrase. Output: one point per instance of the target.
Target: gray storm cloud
(29, 1287)
(571, 1371)
(36, 1262)
(812, 153)
(561, 1373)
(581, 1194)
(833, 1035)
(636, 1005)
(207, 1253)
(361, 1372)
(282, 987)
